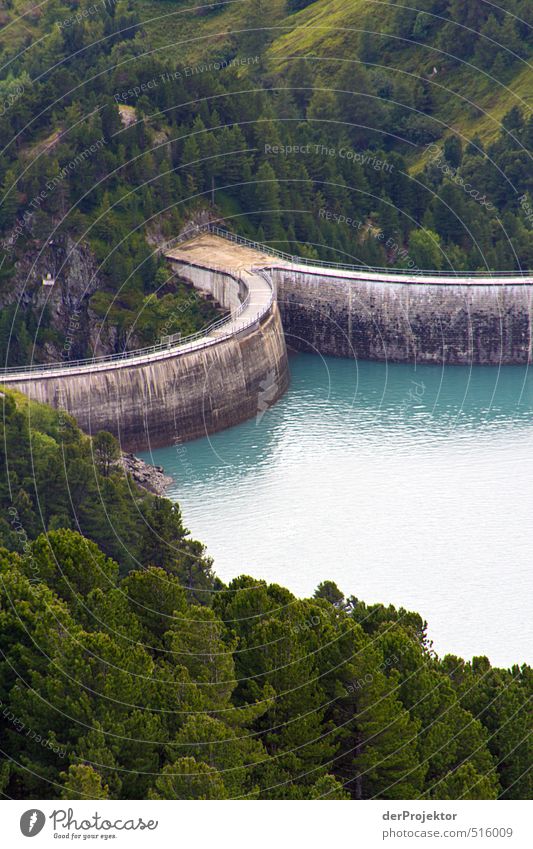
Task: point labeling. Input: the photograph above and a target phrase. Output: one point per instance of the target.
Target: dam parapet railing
(455, 275)
(161, 350)
(229, 325)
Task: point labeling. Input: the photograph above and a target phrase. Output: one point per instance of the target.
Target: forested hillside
(53, 476)
(357, 130)
(128, 670)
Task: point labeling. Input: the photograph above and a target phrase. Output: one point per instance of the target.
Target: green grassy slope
(189, 37)
(468, 100)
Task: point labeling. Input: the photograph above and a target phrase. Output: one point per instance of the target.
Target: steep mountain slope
(470, 100)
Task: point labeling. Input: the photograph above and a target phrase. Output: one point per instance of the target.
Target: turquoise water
(410, 486)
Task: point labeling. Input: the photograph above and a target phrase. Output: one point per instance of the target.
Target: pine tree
(266, 203)
(425, 250)
(81, 781)
(187, 778)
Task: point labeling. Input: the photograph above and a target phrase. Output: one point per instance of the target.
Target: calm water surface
(410, 486)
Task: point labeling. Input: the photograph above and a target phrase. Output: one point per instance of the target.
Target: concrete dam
(174, 393)
(238, 367)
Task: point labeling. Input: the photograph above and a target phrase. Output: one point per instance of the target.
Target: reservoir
(406, 485)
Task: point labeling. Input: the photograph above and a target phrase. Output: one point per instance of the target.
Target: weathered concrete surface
(388, 316)
(443, 321)
(210, 251)
(177, 398)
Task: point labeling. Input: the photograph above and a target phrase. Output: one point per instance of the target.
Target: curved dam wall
(421, 319)
(229, 292)
(239, 366)
(177, 394)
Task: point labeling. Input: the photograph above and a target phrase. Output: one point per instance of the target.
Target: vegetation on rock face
(129, 671)
(420, 136)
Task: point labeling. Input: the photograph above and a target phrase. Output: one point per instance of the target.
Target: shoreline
(149, 477)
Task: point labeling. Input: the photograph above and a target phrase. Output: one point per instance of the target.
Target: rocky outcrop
(79, 331)
(152, 478)
(76, 330)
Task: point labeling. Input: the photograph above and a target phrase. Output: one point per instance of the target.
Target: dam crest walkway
(252, 266)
